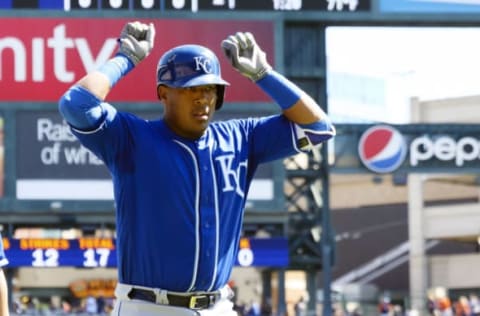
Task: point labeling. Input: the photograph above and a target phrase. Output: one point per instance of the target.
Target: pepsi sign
(382, 149)
(444, 148)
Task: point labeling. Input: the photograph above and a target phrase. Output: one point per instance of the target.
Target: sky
(428, 63)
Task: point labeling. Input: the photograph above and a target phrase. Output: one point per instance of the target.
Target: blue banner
(101, 252)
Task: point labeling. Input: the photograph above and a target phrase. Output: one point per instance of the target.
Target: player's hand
(136, 40)
(246, 56)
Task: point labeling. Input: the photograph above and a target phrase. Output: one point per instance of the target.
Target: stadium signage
(191, 5)
(45, 56)
(444, 148)
(384, 149)
(59, 44)
(101, 252)
(270, 6)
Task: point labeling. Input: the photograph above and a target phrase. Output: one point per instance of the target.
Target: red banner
(41, 58)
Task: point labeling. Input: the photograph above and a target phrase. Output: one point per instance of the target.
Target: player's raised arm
(250, 60)
(135, 44)
(81, 105)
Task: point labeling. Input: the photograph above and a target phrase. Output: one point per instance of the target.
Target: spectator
(266, 308)
(431, 306)
(474, 304)
(462, 306)
(444, 306)
(101, 305)
(356, 312)
(384, 307)
(240, 308)
(397, 310)
(301, 307)
(91, 305)
(254, 309)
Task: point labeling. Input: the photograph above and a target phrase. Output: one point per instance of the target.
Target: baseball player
(4, 310)
(181, 181)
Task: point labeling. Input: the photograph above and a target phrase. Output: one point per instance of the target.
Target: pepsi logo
(382, 149)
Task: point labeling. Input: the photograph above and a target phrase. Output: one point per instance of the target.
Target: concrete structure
(459, 221)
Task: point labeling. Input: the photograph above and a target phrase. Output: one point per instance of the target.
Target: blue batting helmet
(191, 65)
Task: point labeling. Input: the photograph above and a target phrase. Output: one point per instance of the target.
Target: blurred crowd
(90, 305)
(438, 305)
(464, 305)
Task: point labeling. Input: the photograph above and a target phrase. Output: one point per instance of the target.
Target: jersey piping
(217, 218)
(197, 214)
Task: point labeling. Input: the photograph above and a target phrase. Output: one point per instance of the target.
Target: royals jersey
(180, 202)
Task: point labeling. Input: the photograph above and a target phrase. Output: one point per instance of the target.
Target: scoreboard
(101, 252)
(190, 5)
(332, 12)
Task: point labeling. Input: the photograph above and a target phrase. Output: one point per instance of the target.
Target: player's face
(188, 111)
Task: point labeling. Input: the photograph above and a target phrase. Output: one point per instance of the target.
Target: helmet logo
(204, 63)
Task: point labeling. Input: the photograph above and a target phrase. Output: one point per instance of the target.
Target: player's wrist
(261, 73)
(116, 68)
(284, 92)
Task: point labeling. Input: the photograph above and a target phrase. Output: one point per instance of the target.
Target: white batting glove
(136, 40)
(246, 56)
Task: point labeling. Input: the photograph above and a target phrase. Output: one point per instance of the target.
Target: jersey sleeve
(313, 134)
(276, 137)
(273, 137)
(111, 138)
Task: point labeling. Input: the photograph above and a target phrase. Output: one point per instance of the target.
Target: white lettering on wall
(20, 57)
(58, 149)
(59, 43)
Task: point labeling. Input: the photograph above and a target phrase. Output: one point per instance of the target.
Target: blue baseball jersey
(180, 202)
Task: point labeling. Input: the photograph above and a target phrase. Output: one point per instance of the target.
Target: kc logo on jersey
(232, 176)
(382, 149)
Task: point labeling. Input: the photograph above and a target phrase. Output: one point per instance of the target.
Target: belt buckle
(193, 304)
